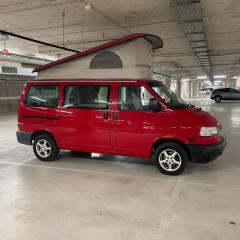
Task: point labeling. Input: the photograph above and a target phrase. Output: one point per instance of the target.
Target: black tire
(178, 162)
(51, 150)
(81, 154)
(218, 99)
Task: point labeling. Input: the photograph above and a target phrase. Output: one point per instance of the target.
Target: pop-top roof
(153, 39)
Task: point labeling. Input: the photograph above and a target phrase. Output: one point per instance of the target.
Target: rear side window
(86, 96)
(42, 96)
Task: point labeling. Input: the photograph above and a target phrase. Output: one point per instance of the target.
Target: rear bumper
(24, 137)
(206, 153)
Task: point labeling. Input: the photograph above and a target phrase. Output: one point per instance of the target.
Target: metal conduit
(189, 13)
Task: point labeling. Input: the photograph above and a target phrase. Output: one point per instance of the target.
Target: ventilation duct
(189, 13)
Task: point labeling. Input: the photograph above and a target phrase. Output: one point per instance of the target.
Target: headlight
(208, 131)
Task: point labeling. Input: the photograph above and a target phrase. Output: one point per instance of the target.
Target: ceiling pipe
(190, 17)
(36, 41)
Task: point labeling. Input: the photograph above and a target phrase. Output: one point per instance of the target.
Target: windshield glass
(168, 96)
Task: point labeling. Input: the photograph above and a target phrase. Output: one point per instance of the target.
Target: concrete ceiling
(110, 19)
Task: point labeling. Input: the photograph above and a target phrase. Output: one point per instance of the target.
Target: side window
(86, 96)
(162, 94)
(133, 98)
(106, 60)
(42, 96)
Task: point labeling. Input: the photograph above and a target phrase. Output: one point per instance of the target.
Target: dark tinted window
(42, 96)
(86, 96)
(224, 90)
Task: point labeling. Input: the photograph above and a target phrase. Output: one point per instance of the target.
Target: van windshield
(168, 96)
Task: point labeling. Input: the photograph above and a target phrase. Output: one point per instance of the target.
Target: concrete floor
(109, 197)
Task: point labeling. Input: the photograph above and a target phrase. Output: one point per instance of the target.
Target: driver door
(135, 127)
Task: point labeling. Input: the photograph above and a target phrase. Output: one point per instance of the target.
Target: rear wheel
(171, 158)
(218, 99)
(45, 148)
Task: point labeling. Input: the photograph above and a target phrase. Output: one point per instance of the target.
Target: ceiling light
(219, 81)
(236, 77)
(201, 77)
(88, 6)
(185, 79)
(219, 76)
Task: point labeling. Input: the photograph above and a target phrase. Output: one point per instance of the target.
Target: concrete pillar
(194, 89)
(185, 89)
(225, 84)
(191, 89)
(178, 89)
(167, 82)
(197, 88)
(237, 83)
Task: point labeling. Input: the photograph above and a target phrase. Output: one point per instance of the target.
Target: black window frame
(78, 85)
(42, 85)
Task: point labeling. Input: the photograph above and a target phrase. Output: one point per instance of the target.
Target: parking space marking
(180, 181)
(25, 164)
(18, 163)
(170, 209)
(11, 121)
(11, 147)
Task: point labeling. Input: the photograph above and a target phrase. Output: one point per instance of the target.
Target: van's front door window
(133, 98)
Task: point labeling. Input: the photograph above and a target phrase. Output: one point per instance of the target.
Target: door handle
(105, 115)
(115, 116)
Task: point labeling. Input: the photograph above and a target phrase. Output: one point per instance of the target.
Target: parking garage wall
(10, 91)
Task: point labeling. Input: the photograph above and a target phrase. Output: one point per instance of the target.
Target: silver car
(225, 94)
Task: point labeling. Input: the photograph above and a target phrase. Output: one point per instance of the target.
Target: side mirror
(154, 105)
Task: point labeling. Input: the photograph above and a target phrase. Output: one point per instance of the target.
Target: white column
(167, 82)
(237, 83)
(185, 89)
(178, 92)
(195, 88)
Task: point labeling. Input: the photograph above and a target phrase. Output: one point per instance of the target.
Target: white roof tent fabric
(127, 57)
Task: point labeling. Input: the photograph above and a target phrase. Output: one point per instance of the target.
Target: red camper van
(111, 111)
(134, 118)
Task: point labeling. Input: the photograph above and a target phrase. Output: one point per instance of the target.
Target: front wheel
(171, 158)
(218, 99)
(45, 148)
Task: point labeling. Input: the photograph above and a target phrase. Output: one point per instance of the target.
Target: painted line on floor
(12, 121)
(25, 164)
(11, 147)
(163, 228)
(175, 193)
(18, 163)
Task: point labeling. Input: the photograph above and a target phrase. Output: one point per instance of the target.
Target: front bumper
(206, 153)
(24, 137)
